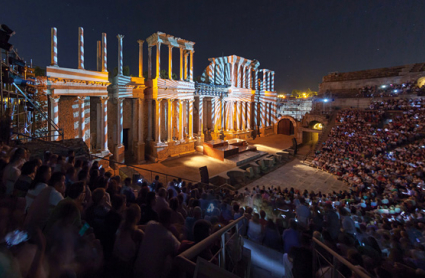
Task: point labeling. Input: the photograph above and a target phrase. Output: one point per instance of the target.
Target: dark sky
(300, 40)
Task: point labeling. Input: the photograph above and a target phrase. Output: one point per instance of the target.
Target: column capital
(81, 98)
(120, 37)
(140, 42)
(104, 99)
(170, 46)
(171, 99)
(55, 98)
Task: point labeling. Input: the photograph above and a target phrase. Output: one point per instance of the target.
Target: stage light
(383, 86)
(325, 100)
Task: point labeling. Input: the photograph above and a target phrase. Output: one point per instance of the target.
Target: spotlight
(384, 86)
(325, 100)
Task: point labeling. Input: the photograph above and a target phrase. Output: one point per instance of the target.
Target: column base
(119, 153)
(139, 153)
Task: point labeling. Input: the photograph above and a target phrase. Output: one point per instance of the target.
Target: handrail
(356, 270)
(184, 259)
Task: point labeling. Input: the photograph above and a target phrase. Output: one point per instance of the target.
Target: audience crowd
(391, 90)
(68, 217)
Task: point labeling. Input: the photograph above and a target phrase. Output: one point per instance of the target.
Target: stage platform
(236, 151)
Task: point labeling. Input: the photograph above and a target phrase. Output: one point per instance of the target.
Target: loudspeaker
(294, 145)
(205, 178)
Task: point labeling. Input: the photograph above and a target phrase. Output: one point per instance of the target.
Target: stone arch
(312, 124)
(291, 119)
(421, 81)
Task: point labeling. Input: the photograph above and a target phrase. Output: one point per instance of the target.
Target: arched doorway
(286, 127)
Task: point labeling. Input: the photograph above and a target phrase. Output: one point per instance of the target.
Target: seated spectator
(290, 237)
(161, 202)
(24, 181)
(40, 181)
(272, 238)
(190, 222)
(128, 191)
(13, 170)
(158, 246)
(147, 211)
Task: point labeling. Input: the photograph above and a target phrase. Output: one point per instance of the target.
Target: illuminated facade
(138, 118)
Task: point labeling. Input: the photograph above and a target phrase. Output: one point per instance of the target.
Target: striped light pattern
(170, 120)
(120, 55)
(104, 132)
(191, 118)
(80, 48)
(201, 116)
(99, 56)
(272, 81)
(238, 115)
(104, 54)
(191, 65)
(243, 115)
(54, 47)
(54, 104)
(248, 115)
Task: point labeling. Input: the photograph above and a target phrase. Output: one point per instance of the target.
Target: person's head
(132, 216)
(75, 190)
(174, 204)
(71, 160)
(28, 169)
(78, 163)
(127, 181)
(71, 153)
(235, 207)
(98, 196)
(83, 175)
(42, 176)
(19, 154)
(256, 218)
(293, 224)
(71, 173)
(118, 202)
(162, 192)
(57, 181)
(201, 230)
(151, 199)
(47, 156)
(263, 214)
(197, 213)
(165, 217)
(157, 178)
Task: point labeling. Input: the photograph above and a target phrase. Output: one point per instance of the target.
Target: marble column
(263, 114)
(238, 115)
(181, 133)
(272, 81)
(149, 103)
(54, 115)
(181, 63)
(54, 47)
(238, 74)
(170, 120)
(158, 120)
(81, 48)
(140, 57)
(243, 127)
(150, 62)
(191, 101)
(120, 57)
(99, 56)
(256, 80)
(250, 83)
(119, 148)
(186, 54)
(104, 54)
(221, 113)
(158, 60)
(264, 80)
(191, 65)
(81, 122)
(104, 124)
(170, 62)
(243, 73)
(201, 116)
(248, 115)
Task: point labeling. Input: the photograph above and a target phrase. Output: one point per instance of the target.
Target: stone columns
(81, 122)
(248, 115)
(158, 120)
(99, 56)
(80, 48)
(54, 115)
(263, 114)
(191, 65)
(140, 57)
(181, 133)
(120, 58)
(238, 115)
(104, 124)
(264, 80)
(238, 74)
(201, 116)
(181, 63)
(119, 146)
(250, 83)
(185, 65)
(158, 60)
(150, 62)
(191, 101)
(170, 120)
(170, 62)
(256, 115)
(149, 102)
(54, 47)
(104, 54)
(243, 73)
(256, 80)
(221, 113)
(243, 115)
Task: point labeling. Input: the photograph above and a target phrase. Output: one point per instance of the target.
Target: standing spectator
(39, 183)
(24, 181)
(290, 237)
(12, 170)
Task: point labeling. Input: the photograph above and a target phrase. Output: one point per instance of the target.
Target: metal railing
(334, 264)
(184, 260)
(43, 135)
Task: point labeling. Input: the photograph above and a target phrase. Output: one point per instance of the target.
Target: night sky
(300, 40)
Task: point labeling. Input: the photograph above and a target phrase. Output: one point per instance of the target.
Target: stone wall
(68, 117)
